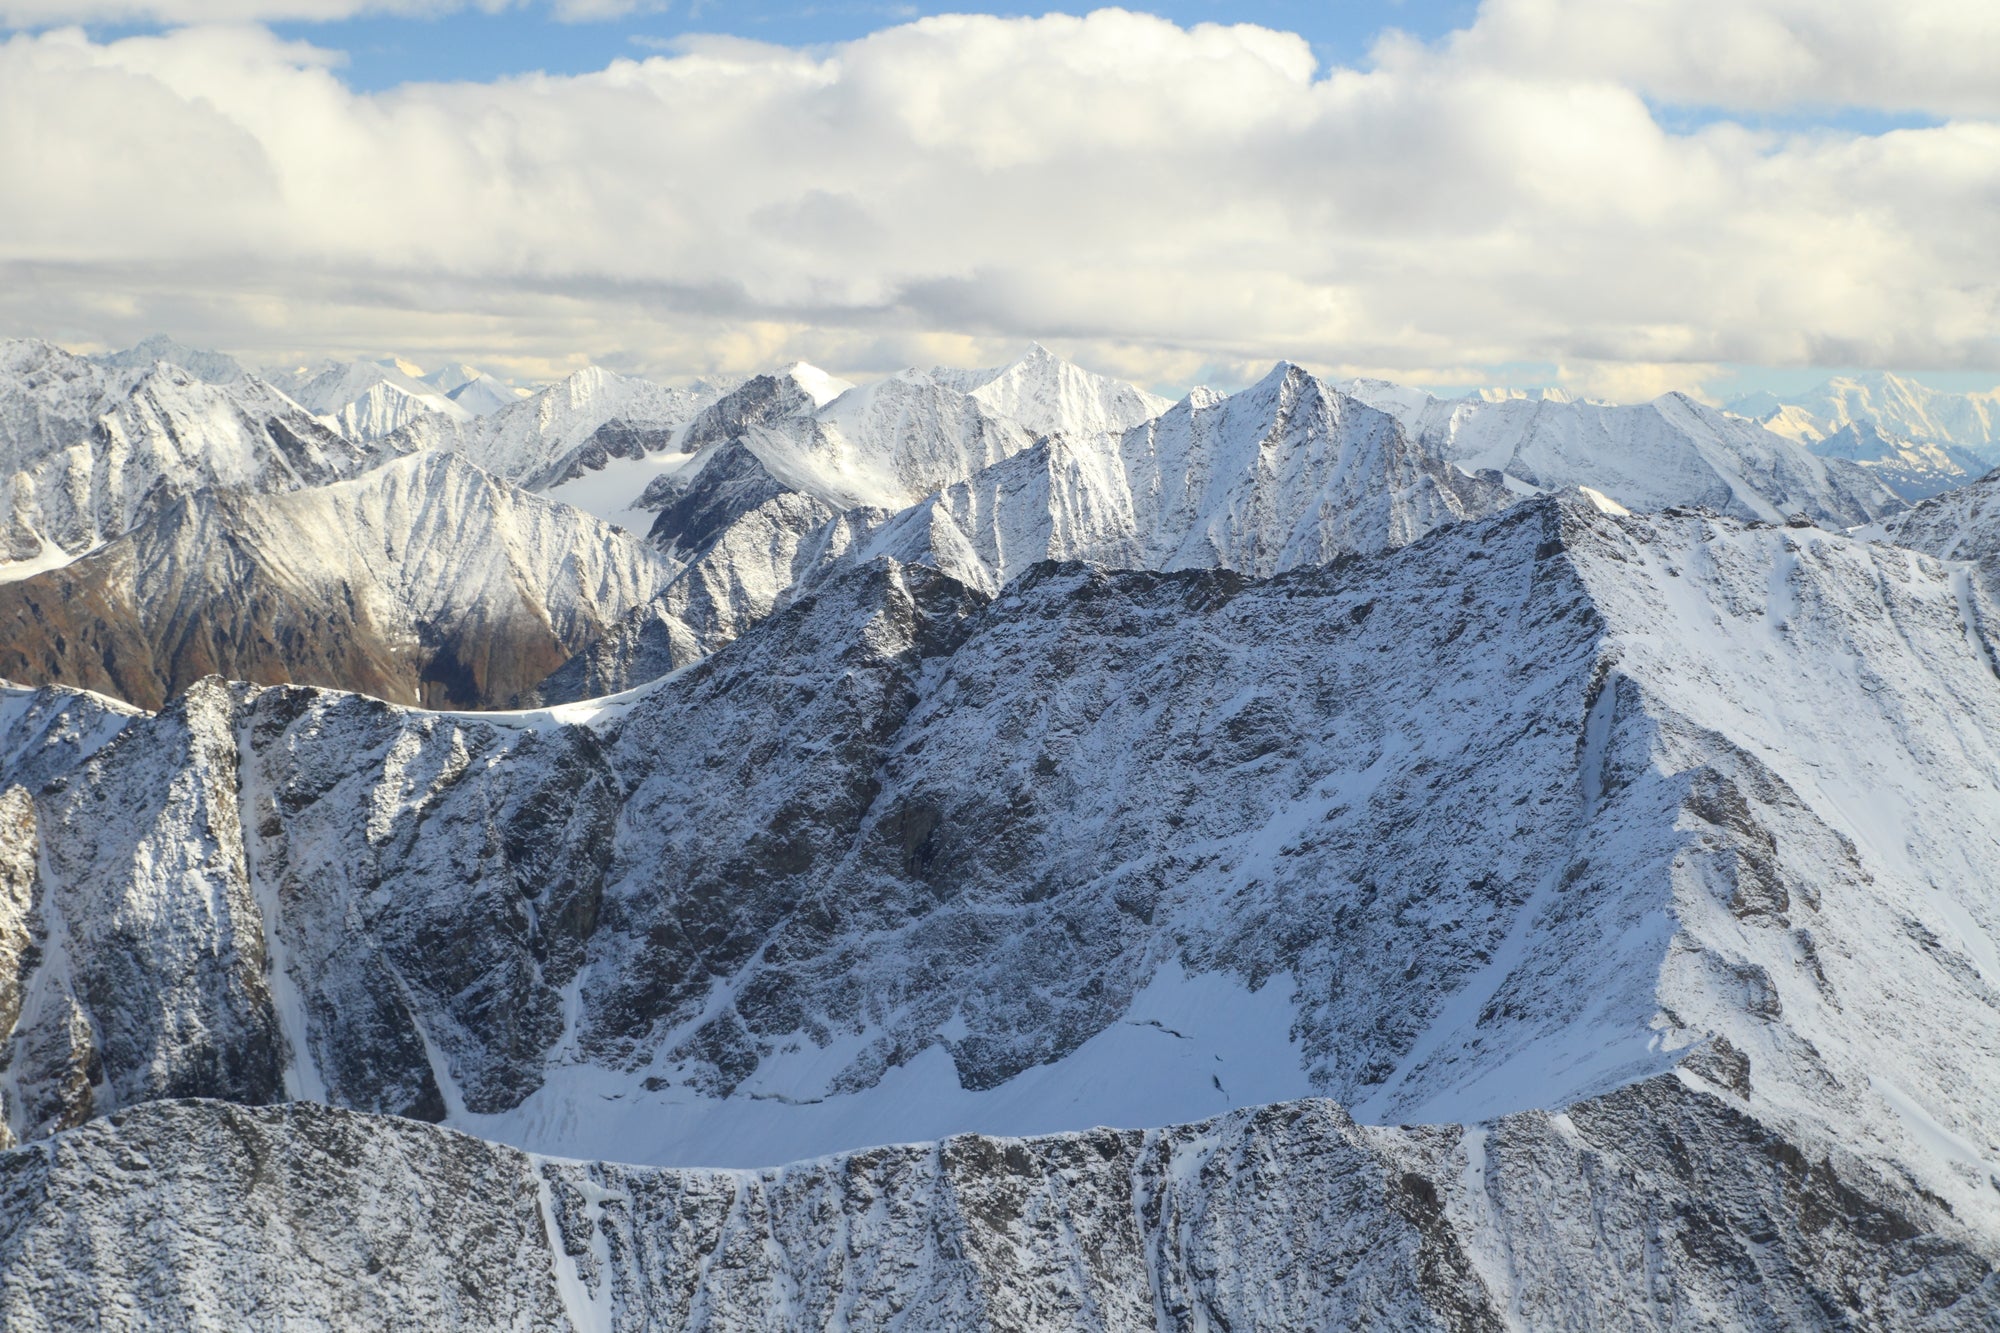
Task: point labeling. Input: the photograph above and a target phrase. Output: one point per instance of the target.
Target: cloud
(1173, 201)
(1934, 56)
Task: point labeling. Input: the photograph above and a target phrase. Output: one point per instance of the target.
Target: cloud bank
(1168, 201)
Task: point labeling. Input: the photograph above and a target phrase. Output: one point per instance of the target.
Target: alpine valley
(991, 849)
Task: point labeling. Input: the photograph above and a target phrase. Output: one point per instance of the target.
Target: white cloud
(1162, 199)
(1936, 56)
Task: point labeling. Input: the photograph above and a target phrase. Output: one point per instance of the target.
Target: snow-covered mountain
(1286, 473)
(885, 445)
(484, 394)
(1051, 396)
(84, 450)
(473, 389)
(1914, 471)
(135, 361)
(1628, 852)
(551, 440)
(367, 400)
(424, 581)
(1671, 451)
(1893, 404)
(785, 474)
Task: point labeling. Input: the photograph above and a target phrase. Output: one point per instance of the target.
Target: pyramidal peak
(822, 387)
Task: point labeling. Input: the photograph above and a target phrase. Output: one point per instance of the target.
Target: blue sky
(469, 44)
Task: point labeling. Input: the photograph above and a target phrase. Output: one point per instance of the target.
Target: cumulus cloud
(1168, 201)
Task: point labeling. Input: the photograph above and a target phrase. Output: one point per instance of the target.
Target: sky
(1620, 197)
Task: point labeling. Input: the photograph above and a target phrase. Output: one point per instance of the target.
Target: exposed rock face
(902, 833)
(616, 438)
(1675, 822)
(46, 733)
(425, 581)
(1660, 1206)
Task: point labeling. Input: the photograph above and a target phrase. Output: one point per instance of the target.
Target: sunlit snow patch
(1604, 502)
(1190, 1047)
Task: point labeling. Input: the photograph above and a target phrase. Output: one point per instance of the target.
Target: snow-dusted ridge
(1703, 833)
(1651, 836)
(85, 449)
(785, 474)
(1671, 451)
(1468, 907)
(422, 581)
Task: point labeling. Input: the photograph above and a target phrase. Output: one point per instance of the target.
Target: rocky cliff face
(787, 473)
(1662, 1206)
(1520, 814)
(425, 581)
(1467, 910)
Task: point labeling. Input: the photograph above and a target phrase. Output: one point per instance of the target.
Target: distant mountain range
(1920, 440)
(1315, 856)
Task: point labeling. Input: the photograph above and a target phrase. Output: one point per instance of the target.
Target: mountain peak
(214, 367)
(1284, 377)
(821, 387)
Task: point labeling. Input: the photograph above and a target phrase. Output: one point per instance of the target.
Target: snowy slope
(1049, 395)
(1516, 815)
(423, 581)
(483, 394)
(890, 443)
(82, 453)
(1891, 403)
(1283, 474)
(367, 400)
(1652, 836)
(1671, 451)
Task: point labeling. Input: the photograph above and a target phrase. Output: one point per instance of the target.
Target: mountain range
(370, 583)
(1314, 856)
(1919, 440)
